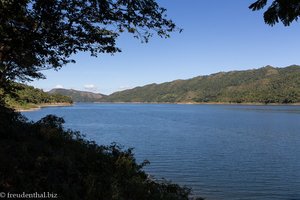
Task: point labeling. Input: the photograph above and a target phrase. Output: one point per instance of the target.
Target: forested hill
(78, 96)
(26, 97)
(264, 85)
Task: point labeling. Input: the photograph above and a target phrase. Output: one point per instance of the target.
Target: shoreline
(206, 103)
(40, 106)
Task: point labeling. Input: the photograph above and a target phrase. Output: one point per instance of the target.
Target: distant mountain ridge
(78, 96)
(265, 85)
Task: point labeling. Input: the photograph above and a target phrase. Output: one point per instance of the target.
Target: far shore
(39, 106)
(207, 103)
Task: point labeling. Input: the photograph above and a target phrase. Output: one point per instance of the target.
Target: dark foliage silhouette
(285, 11)
(43, 156)
(36, 35)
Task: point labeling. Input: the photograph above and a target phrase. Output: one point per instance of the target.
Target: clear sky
(218, 36)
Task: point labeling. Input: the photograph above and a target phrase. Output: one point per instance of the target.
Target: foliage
(26, 96)
(43, 156)
(36, 35)
(286, 11)
(35, 157)
(264, 85)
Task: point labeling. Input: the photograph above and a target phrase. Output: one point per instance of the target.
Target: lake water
(222, 152)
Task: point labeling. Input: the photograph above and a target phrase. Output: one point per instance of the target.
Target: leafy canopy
(285, 11)
(36, 34)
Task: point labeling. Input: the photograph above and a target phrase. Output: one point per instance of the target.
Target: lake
(222, 152)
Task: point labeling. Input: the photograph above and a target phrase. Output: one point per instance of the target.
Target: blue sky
(218, 36)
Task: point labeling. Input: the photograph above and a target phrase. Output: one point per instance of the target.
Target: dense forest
(264, 85)
(25, 97)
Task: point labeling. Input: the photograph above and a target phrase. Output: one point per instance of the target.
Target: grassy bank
(33, 107)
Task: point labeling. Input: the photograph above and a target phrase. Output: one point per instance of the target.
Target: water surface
(221, 151)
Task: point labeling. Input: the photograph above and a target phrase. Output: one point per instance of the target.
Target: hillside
(26, 97)
(264, 85)
(78, 96)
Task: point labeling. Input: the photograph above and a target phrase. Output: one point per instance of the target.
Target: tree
(286, 11)
(36, 34)
(43, 34)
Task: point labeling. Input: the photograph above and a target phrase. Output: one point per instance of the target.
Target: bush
(44, 157)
